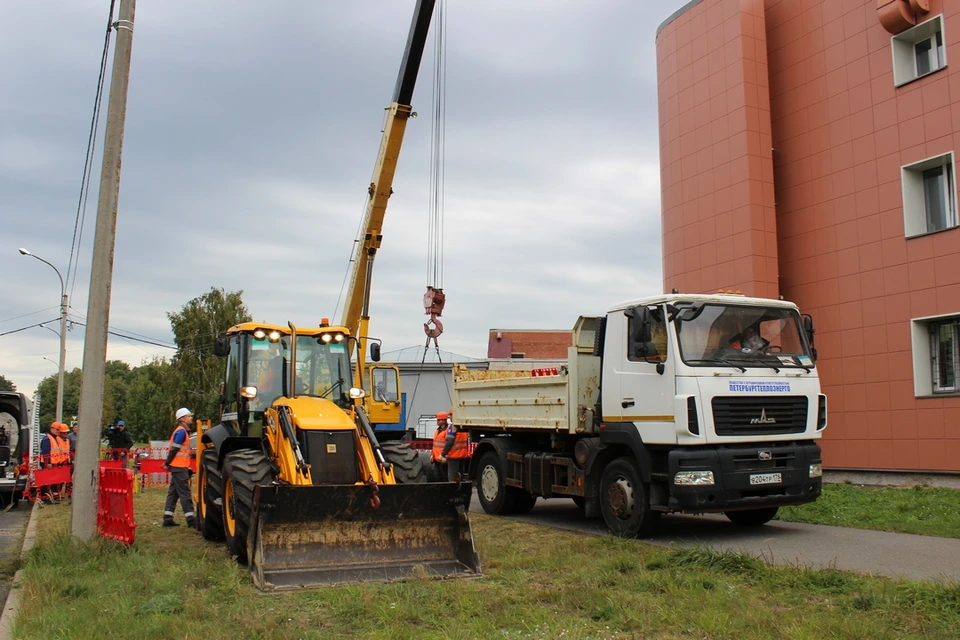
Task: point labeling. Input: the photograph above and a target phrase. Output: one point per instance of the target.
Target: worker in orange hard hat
(439, 439)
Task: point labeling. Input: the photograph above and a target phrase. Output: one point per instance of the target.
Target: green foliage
(114, 393)
(538, 583)
(150, 401)
(6, 385)
(921, 510)
(195, 327)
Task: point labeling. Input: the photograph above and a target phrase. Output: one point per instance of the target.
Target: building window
(929, 196)
(944, 355)
(935, 344)
(516, 354)
(919, 51)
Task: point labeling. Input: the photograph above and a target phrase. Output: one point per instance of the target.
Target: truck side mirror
(810, 331)
(640, 319)
(221, 347)
(375, 352)
(644, 349)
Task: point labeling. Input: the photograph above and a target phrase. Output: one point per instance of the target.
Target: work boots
(168, 522)
(192, 523)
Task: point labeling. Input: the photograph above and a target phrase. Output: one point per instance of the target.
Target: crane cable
(88, 160)
(434, 298)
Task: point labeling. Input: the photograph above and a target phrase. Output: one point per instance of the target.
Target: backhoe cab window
(322, 370)
(741, 336)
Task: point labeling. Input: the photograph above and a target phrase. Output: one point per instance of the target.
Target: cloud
(250, 138)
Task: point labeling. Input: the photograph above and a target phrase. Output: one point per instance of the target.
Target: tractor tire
(752, 517)
(407, 466)
(625, 500)
(242, 472)
(210, 504)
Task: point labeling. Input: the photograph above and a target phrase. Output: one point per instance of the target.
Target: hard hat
(121, 423)
(442, 415)
(183, 412)
(58, 426)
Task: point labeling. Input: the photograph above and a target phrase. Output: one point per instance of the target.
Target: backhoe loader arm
(356, 315)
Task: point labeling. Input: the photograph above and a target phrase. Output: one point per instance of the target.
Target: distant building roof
(415, 354)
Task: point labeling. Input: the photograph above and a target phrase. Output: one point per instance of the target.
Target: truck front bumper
(782, 470)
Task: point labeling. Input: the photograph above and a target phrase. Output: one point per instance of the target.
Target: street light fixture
(49, 360)
(63, 331)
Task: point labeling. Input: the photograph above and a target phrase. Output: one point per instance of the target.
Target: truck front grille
(747, 416)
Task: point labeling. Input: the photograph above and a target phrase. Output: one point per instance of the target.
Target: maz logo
(763, 419)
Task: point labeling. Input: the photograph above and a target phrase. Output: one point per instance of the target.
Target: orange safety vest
(459, 448)
(439, 439)
(182, 459)
(59, 450)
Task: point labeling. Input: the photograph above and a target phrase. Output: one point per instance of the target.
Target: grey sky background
(252, 130)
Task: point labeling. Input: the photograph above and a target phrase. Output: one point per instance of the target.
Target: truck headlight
(693, 478)
(816, 470)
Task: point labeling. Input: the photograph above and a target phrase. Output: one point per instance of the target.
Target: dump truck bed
(559, 398)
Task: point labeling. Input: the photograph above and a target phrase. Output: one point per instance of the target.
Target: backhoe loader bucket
(305, 536)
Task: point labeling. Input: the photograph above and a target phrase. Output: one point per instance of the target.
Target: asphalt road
(12, 524)
(895, 555)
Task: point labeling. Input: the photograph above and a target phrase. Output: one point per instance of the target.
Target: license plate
(765, 478)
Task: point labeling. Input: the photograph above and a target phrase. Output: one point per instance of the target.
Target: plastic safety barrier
(149, 465)
(115, 505)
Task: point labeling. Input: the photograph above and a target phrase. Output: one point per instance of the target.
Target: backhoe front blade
(304, 536)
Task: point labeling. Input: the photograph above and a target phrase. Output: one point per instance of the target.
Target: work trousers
(179, 488)
(456, 466)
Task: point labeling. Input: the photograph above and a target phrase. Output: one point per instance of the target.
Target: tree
(151, 400)
(195, 327)
(48, 397)
(6, 385)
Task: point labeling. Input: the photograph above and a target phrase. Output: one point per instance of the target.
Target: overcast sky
(252, 129)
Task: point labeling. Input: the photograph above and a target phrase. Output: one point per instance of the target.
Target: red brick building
(808, 150)
(536, 344)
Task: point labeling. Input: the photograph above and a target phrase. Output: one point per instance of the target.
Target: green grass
(922, 510)
(539, 583)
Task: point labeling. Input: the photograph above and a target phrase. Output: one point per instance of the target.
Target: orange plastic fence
(115, 505)
(149, 465)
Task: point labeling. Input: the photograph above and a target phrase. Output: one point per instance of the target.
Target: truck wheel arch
(617, 439)
(500, 444)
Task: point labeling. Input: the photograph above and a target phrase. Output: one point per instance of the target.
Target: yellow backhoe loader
(295, 481)
(294, 477)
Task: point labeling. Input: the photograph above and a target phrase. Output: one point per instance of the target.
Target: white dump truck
(672, 403)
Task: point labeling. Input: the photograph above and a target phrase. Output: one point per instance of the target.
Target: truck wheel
(491, 488)
(407, 467)
(752, 517)
(242, 472)
(524, 501)
(209, 506)
(625, 500)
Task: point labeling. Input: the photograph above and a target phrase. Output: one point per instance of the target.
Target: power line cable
(32, 313)
(88, 160)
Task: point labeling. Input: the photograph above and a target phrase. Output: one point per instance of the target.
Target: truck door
(646, 375)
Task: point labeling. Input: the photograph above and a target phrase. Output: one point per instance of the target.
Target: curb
(9, 614)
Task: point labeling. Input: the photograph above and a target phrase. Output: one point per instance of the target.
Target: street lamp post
(63, 332)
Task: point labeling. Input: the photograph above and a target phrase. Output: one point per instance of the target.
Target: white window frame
(914, 195)
(904, 48)
(924, 356)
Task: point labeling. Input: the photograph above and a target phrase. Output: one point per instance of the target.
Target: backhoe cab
(295, 480)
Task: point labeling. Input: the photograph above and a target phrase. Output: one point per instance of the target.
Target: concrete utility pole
(86, 471)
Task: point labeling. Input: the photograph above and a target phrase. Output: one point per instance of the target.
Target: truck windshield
(322, 369)
(741, 336)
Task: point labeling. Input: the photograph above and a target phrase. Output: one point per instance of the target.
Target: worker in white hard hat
(178, 465)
